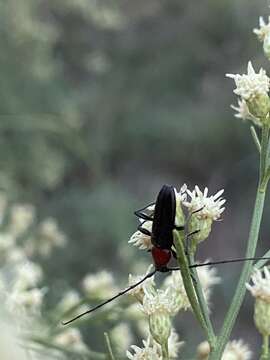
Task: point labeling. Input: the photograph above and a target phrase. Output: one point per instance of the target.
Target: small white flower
(250, 85)
(99, 285)
(50, 236)
(31, 299)
(261, 284)
(182, 194)
(22, 216)
(211, 206)
(139, 291)
(150, 351)
(121, 336)
(160, 302)
(28, 275)
(16, 255)
(175, 281)
(242, 112)
(70, 338)
(208, 277)
(7, 242)
(142, 241)
(264, 29)
(70, 299)
(174, 344)
(236, 350)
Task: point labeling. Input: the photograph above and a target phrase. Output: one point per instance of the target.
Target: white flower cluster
(140, 239)
(253, 88)
(252, 84)
(211, 206)
(264, 30)
(70, 338)
(152, 351)
(21, 292)
(99, 286)
(161, 302)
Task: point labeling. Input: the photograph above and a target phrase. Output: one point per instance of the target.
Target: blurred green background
(102, 102)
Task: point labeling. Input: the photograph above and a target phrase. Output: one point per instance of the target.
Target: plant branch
(202, 301)
(255, 138)
(188, 284)
(109, 346)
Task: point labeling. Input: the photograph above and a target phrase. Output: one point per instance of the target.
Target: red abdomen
(160, 256)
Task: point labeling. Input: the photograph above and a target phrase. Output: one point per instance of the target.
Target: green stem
(109, 347)
(188, 284)
(265, 348)
(87, 353)
(264, 156)
(255, 138)
(165, 351)
(202, 301)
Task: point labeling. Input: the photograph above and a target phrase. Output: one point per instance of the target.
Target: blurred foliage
(102, 102)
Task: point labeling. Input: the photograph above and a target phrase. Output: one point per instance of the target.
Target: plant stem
(250, 252)
(255, 138)
(109, 347)
(202, 301)
(165, 351)
(66, 350)
(265, 348)
(188, 284)
(264, 155)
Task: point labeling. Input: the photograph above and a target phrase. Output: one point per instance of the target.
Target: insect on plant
(162, 215)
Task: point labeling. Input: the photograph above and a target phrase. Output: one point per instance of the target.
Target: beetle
(162, 215)
(163, 224)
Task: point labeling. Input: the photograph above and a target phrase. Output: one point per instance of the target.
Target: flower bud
(160, 327)
(203, 350)
(262, 316)
(203, 225)
(259, 105)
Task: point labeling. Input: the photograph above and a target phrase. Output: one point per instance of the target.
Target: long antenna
(210, 263)
(147, 276)
(152, 273)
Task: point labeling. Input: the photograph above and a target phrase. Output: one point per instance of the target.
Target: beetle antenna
(147, 276)
(210, 263)
(229, 261)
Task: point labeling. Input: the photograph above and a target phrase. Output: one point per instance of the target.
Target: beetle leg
(179, 227)
(143, 216)
(144, 231)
